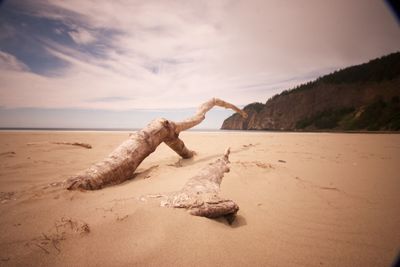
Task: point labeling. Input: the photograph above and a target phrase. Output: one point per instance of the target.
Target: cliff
(362, 97)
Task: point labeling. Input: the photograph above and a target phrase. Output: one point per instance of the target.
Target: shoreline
(105, 130)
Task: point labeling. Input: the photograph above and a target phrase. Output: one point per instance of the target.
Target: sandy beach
(306, 199)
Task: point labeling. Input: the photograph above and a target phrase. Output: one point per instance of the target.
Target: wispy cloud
(81, 36)
(10, 62)
(120, 55)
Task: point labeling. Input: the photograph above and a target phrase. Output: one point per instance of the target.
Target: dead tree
(120, 165)
(200, 195)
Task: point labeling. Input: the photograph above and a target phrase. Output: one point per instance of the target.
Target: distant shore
(4, 129)
(315, 131)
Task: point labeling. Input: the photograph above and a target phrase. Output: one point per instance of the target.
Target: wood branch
(120, 165)
(85, 145)
(200, 195)
(201, 112)
(88, 146)
(179, 147)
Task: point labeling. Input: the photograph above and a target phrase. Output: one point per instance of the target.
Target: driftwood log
(88, 146)
(200, 195)
(120, 165)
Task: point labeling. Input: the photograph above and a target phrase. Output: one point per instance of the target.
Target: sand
(306, 199)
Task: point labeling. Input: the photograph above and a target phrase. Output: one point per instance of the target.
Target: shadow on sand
(236, 222)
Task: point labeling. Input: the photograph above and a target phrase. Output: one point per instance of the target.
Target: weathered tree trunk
(120, 165)
(200, 193)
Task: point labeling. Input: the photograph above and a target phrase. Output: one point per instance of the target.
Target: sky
(122, 63)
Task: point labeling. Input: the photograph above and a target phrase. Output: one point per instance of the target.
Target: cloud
(176, 54)
(10, 62)
(81, 36)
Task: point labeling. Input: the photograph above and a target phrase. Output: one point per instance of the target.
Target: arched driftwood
(120, 165)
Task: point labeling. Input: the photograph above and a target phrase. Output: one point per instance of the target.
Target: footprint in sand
(7, 196)
(8, 154)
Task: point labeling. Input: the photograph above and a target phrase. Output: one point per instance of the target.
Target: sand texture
(306, 199)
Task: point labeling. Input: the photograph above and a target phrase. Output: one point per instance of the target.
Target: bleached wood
(201, 112)
(85, 145)
(120, 165)
(200, 195)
